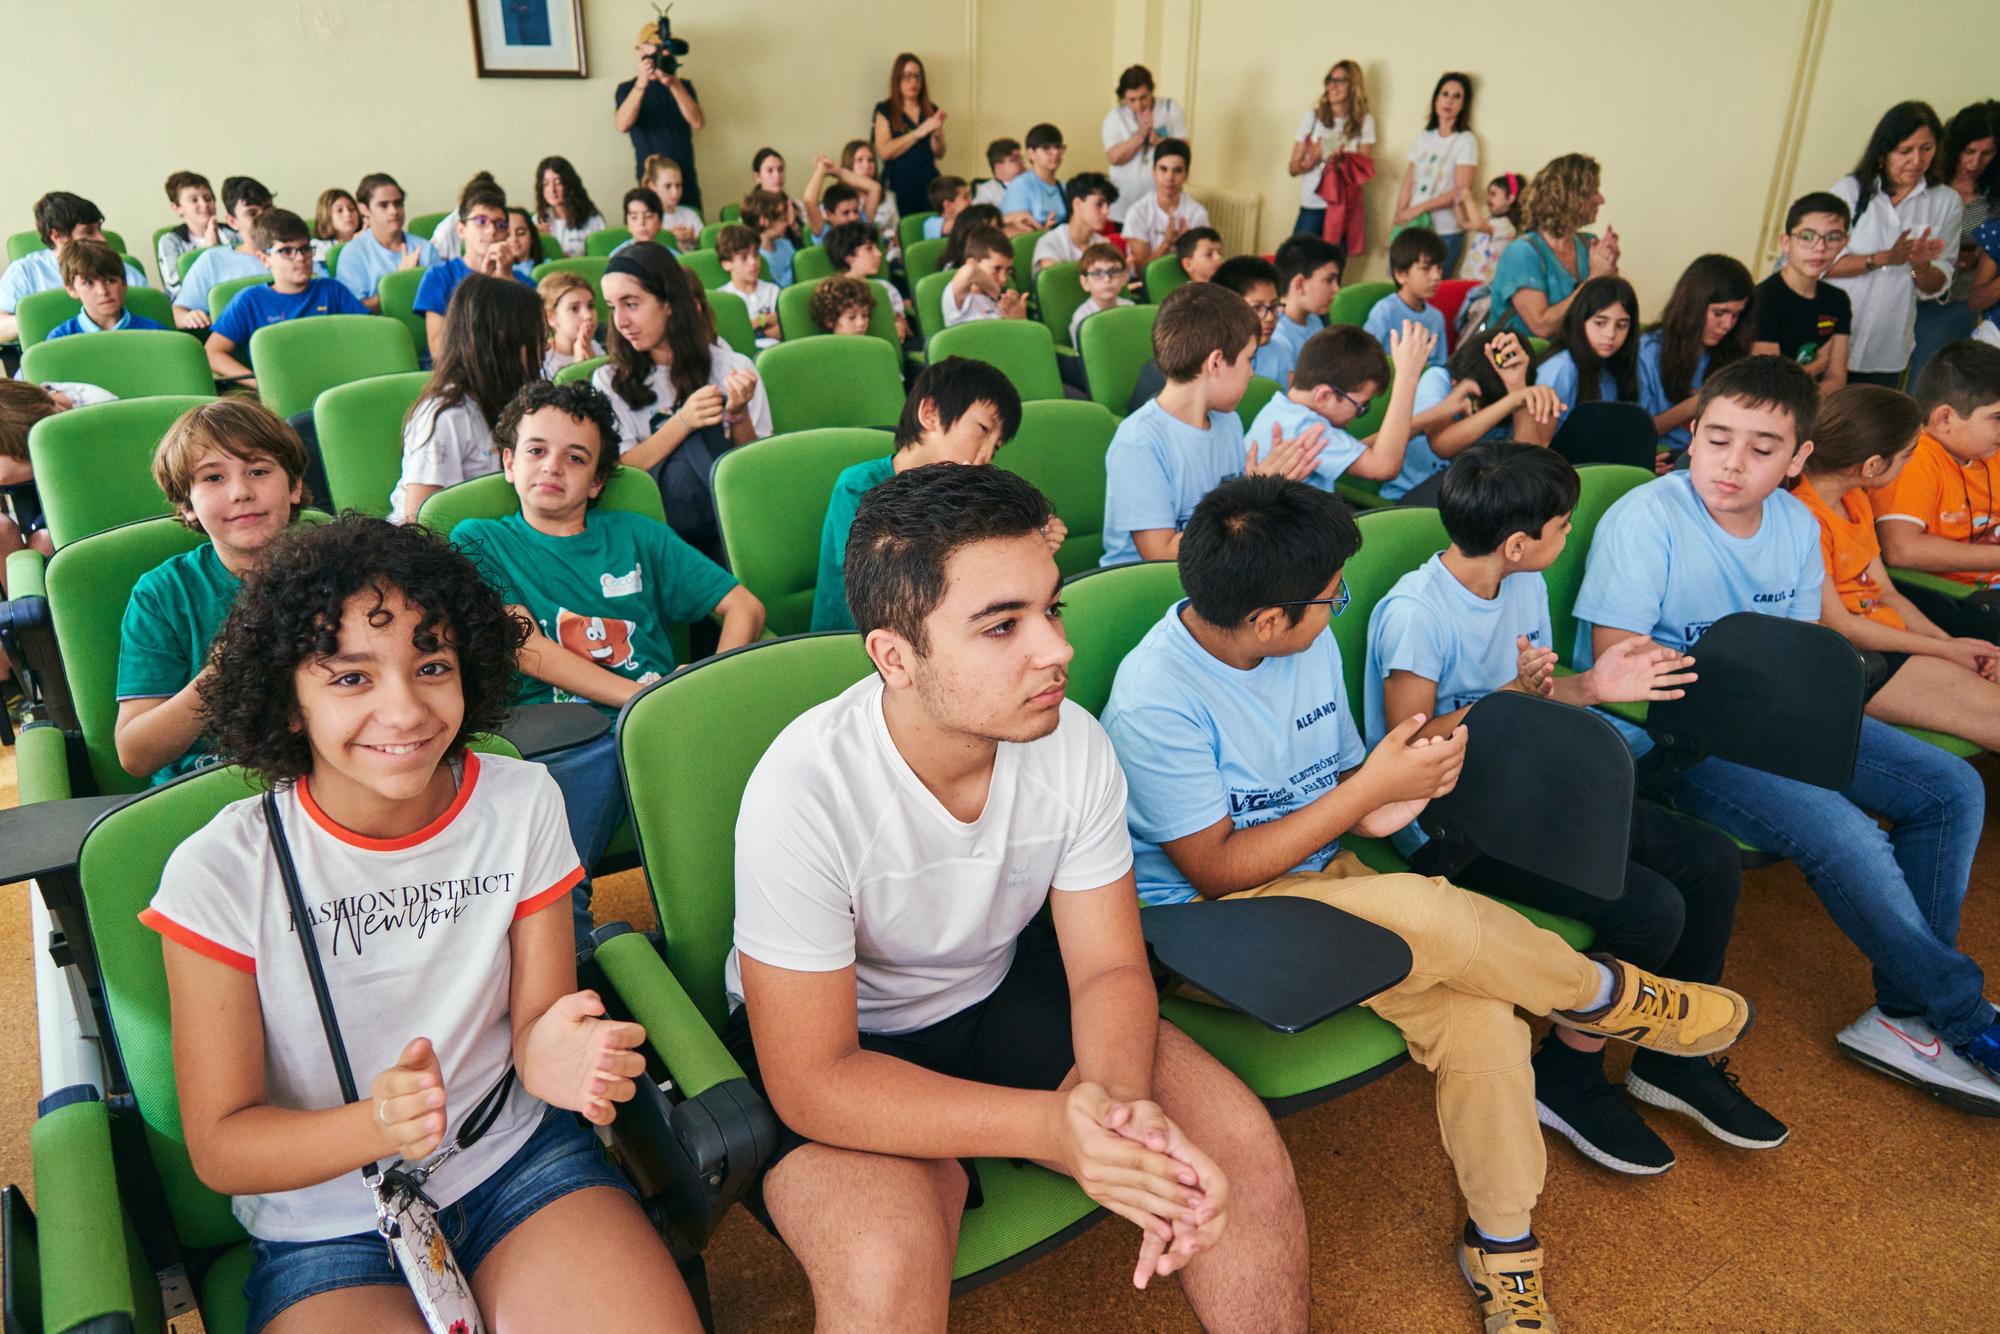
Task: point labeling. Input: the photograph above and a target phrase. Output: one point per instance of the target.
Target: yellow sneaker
(1672, 1018)
(1508, 1285)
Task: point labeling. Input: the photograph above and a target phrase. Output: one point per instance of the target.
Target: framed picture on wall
(528, 39)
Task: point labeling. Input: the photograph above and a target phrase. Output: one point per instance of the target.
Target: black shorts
(1018, 1037)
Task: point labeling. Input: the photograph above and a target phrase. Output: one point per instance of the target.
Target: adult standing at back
(1443, 162)
(660, 111)
(1338, 124)
(1132, 130)
(1901, 245)
(909, 136)
(1540, 271)
(1969, 166)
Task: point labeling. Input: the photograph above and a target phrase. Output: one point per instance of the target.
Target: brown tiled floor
(1878, 1215)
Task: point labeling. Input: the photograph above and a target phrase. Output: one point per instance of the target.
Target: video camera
(668, 58)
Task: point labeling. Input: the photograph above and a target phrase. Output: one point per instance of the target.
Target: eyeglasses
(1104, 271)
(1338, 602)
(488, 223)
(1812, 240)
(1360, 405)
(292, 251)
(1264, 310)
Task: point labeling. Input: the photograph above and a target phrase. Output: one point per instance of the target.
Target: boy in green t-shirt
(599, 590)
(232, 470)
(959, 411)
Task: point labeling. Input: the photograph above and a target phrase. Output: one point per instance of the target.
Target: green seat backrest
(714, 722)
(921, 258)
(297, 360)
(333, 259)
(1116, 345)
(604, 242)
(1024, 259)
(580, 370)
(1058, 292)
(550, 247)
(810, 263)
(1060, 448)
(1393, 542)
(360, 428)
(713, 230)
(423, 224)
(1603, 484)
(39, 312)
(131, 363)
(911, 229)
(26, 243)
(706, 267)
(1022, 351)
(1164, 274)
(1261, 390)
(771, 497)
(592, 269)
(818, 382)
(732, 320)
(1352, 304)
(730, 213)
(94, 465)
(220, 295)
(398, 293)
(795, 319)
(494, 497)
(930, 304)
(1107, 613)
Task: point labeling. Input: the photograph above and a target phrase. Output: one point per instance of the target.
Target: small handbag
(404, 1215)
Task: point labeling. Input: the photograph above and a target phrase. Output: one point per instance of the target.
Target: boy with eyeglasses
(482, 233)
(1340, 372)
(284, 244)
(1798, 316)
(1103, 273)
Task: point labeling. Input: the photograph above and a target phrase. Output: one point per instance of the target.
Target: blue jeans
(1895, 894)
(1939, 323)
(595, 797)
(1454, 247)
(1312, 221)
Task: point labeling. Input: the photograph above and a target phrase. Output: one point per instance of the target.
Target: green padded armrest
(41, 764)
(26, 574)
(692, 1052)
(92, 1266)
(1936, 583)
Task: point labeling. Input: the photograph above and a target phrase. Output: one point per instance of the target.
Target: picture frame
(528, 39)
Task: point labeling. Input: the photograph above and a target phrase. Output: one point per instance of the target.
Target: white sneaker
(1908, 1050)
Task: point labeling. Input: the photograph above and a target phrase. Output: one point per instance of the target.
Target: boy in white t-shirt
(950, 196)
(856, 251)
(1157, 219)
(737, 247)
(1090, 194)
(360, 661)
(938, 954)
(1135, 132)
(1003, 162)
(978, 287)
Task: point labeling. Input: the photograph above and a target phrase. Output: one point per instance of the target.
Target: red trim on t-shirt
(428, 832)
(529, 907)
(197, 942)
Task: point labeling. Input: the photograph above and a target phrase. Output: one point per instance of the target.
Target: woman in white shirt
(1132, 130)
(1338, 123)
(1901, 244)
(1443, 161)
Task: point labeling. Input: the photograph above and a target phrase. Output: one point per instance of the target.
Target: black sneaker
(1573, 1098)
(1708, 1091)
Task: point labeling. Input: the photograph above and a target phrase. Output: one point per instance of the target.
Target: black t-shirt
(1800, 327)
(662, 129)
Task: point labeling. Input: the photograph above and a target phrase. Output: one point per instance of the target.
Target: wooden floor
(1878, 1215)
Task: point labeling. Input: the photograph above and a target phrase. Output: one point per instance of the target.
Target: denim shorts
(560, 1158)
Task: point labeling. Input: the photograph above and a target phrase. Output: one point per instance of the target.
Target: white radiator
(1234, 213)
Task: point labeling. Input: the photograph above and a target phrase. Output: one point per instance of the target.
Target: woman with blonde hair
(1338, 126)
(1540, 272)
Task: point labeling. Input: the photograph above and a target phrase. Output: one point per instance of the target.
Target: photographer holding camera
(660, 111)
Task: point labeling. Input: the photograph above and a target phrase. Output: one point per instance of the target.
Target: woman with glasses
(909, 136)
(1903, 242)
(1538, 274)
(1337, 127)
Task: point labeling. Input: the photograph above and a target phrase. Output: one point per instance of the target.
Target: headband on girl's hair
(629, 265)
(1513, 180)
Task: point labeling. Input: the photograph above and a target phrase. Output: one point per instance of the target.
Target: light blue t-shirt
(1653, 393)
(1420, 464)
(1275, 361)
(779, 257)
(254, 307)
(1433, 626)
(218, 264)
(934, 227)
(1158, 469)
(1559, 373)
(1661, 566)
(1390, 312)
(1294, 336)
(38, 271)
(1199, 739)
(1295, 419)
(1041, 200)
(364, 261)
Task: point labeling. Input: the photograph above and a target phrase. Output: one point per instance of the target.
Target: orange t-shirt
(1945, 498)
(1848, 546)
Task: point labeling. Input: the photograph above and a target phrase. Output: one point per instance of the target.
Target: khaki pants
(1474, 962)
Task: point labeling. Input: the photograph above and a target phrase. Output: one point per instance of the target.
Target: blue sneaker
(1984, 1050)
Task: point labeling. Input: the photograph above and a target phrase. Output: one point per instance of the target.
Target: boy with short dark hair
(770, 214)
(382, 247)
(737, 247)
(1034, 199)
(1799, 316)
(856, 252)
(1157, 219)
(960, 410)
(1103, 273)
(1674, 556)
(1199, 250)
(643, 217)
(1090, 195)
(599, 590)
(193, 201)
(1245, 771)
(850, 198)
(94, 274)
(231, 470)
(244, 200)
(1340, 372)
(978, 288)
(1416, 262)
(1475, 619)
(1003, 164)
(1308, 279)
(60, 218)
(284, 244)
(1255, 279)
(950, 196)
(483, 223)
(1942, 515)
(1181, 445)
